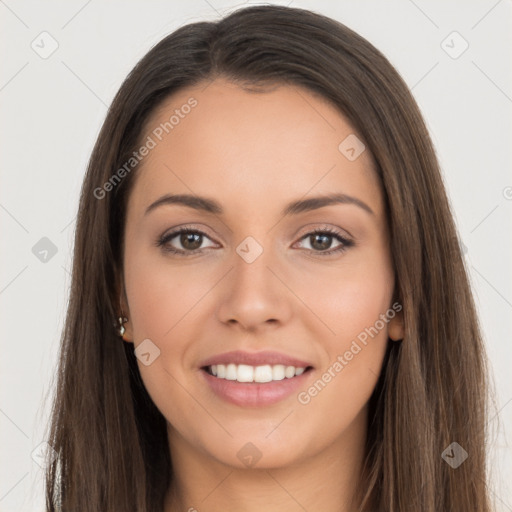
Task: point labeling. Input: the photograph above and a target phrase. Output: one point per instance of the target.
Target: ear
(125, 311)
(396, 326)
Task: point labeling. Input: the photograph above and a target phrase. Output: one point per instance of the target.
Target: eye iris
(194, 238)
(325, 244)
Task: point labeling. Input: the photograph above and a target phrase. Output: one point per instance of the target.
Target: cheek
(163, 297)
(167, 306)
(164, 305)
(352, 307)
(344, 299)
(356, 346)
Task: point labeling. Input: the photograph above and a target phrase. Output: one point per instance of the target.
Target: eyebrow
(208, 205)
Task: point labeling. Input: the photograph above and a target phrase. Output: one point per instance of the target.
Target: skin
(254, 153)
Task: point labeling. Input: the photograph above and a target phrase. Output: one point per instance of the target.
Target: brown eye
(321, 240)
(189, 241)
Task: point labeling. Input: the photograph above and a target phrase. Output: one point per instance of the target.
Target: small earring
(121, 328)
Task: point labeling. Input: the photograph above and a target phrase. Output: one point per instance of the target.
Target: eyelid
(315, 226)
(185, 227)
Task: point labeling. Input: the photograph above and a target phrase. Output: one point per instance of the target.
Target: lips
(267, 378)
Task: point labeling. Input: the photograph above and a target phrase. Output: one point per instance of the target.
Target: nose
(253, 295)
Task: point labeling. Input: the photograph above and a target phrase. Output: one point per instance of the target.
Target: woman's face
(253, 292)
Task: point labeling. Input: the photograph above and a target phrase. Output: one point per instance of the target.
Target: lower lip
(255, 394)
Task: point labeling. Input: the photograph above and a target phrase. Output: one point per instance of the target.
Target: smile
(260, 374)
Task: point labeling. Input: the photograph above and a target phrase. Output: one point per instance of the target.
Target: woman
(264, 224)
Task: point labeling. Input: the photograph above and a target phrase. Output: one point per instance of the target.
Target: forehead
(219, 140)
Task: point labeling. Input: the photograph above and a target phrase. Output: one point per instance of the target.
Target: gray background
(53, 107)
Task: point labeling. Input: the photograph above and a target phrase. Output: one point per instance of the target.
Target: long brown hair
(110, 438)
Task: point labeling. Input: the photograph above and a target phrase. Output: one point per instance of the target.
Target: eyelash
(164, 239)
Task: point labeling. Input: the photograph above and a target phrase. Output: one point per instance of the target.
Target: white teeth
(231, 373)
(278, 372)
(247, 373)
(289, 372)
(263, 373)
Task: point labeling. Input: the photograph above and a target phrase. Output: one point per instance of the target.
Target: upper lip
(255, 359)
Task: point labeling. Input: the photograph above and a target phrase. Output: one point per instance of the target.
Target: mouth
(260, 386)
(255, 379)
(261, 374)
